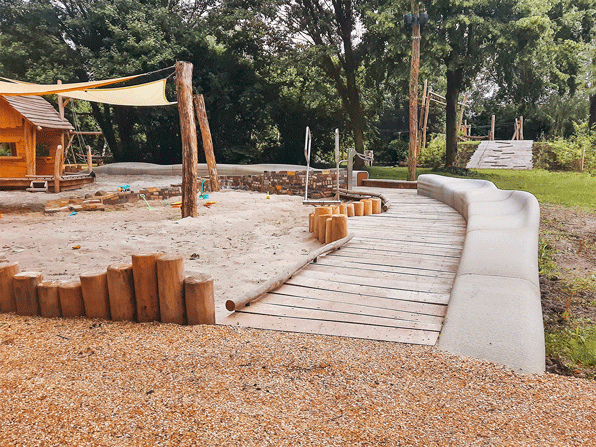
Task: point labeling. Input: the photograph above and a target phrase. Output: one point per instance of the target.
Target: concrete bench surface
(494, 310)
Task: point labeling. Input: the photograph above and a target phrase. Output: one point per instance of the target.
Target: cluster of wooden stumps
(330, 223)
(152, 288)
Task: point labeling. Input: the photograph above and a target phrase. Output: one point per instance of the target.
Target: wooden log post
(521, 127)
(49, 299)
(343, 208)
(311, 223)
(7, 271)
(339, 227)
(170, 283)
(94, 286)
(320, 211)
(58, 167)
(201, 112)
(200, 304)
(321, 226)
(188, 133)
(24, 292)
(89, 159)
(492, 128)
(358, 208)
(121, 292)
(71, 299)
(328, 229)
(144, 269)
(335, 209)
(377, 205)
(350, 209)
(367, 206)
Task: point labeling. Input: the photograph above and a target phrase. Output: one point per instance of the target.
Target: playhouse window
(42, 150)
(8, 149)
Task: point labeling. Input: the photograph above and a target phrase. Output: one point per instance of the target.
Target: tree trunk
(414, 70)
(592, 119)
(124, 121)
(454, 80)
(105, 123)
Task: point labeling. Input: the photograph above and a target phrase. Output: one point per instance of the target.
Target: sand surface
(241, 240)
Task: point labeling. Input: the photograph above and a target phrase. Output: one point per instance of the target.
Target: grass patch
(559, 188)
(576, 347)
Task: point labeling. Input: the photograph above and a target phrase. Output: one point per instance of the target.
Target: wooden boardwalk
(391, 282)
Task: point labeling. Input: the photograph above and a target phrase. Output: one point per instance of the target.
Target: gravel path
(84, 382)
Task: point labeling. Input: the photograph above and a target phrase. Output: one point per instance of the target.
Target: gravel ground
(85, 382)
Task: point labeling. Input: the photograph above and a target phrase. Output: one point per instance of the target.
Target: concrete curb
(494, 311)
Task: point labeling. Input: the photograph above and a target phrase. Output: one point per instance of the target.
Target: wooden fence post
(200, 306)
(94, 286)
(144, 269)
(71, 299)
(121, 292)
(24, 290)
(188, 133)
(7, 271)
(170, 283)
(49, 299)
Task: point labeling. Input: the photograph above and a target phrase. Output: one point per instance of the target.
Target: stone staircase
(502, 154)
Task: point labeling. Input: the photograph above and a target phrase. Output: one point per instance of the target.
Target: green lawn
(562, 188)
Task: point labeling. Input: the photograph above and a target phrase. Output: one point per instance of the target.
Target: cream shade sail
(144, 95)
(25, 89)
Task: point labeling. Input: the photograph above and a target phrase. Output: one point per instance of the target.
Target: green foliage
(577, 347)
(434, 154)
(566, 154)
(546, 262)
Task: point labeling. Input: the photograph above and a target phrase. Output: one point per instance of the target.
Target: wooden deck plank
(423, 311)
(355, 265)
(333, 328)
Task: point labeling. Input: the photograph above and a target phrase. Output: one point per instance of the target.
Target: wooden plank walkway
(502, 154)
(391, 282)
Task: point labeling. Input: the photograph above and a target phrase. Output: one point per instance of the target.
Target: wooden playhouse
(31, 133)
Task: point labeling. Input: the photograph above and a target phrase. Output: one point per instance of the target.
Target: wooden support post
(328, 230)
(71, 299)
(339, 227)
(24, 292)
(89, 159)
(461, 114)
(350, 209)
(144, 269)
(94, 286)
(521, 127)
(7, 271)
(311, 223)
(200, 304)
(343, 208)
(58, 167)
(421, 118)
(121, 292)
(414, 71)
(188, 133)
(358, 208)
(49, 299)
(377, 205)
(335, 209)
(492, 128)
(367, 206)
(170, 283)
(426, 112)
(201, 112)
(320, 225)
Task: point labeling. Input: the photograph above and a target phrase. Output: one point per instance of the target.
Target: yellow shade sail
(150, 94)
(25, 89)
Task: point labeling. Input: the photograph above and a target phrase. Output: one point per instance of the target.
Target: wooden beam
(58, 167)
(188, 133)
(201, 112)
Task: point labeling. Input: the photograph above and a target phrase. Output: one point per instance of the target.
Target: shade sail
(150, 94)
(25, 89)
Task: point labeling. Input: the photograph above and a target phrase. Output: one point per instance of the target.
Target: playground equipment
(307, 148)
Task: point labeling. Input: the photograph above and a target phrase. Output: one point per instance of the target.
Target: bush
(392, 152)
(434, 154)
(566, 154)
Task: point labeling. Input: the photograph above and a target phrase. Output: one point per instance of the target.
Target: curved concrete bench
(494, 312)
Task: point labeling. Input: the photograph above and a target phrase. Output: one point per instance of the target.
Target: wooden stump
(319, 211)
(311, 223)
(358, 208)
(335, 209)
(350, 209)
(367, 206)
(94, 286)
(71, 299)
(121, 292)
(321, 220)
(49, 299)
(144, 269)
(328, 228)
(339, 227)
(376, 206)
(24, 292)
(200, 304)
(7, 271)
(343, 209)
(170, 284)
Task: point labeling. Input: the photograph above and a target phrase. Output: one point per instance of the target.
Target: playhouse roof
(38, 111)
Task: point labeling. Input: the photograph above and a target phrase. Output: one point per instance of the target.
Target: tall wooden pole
(201, 112)
(188, 133)
(414, 70)
(421, 119)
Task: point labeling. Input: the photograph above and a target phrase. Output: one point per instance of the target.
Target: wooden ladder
(38, 186)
